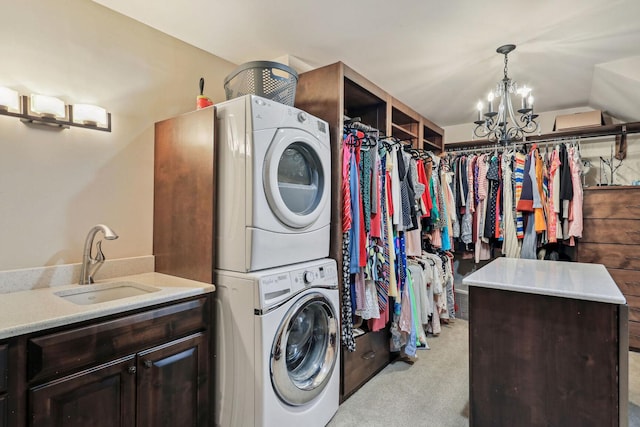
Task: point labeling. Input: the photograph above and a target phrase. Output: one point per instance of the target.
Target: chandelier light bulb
(490, 101)
(479, 106)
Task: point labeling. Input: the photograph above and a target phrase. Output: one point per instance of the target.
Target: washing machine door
(297, 177)
(304, 351)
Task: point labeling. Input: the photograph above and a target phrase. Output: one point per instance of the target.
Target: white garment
(511, 244)
(392, 159)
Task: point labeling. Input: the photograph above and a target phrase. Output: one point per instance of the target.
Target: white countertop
(38, 309)
(590, 282)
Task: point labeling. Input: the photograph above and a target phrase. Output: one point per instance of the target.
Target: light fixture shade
(91, 115)
(48, 106)
(9, 99)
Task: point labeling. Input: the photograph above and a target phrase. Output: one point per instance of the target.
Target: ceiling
(437, 57)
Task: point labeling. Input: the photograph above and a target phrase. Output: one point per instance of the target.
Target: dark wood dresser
(611, 236)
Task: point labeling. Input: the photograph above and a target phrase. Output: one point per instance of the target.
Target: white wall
(592, 149)
(54, 185)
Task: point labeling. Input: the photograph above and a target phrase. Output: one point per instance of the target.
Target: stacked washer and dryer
(277, 356)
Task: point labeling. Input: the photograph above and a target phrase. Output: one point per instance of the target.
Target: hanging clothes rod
(501, 148)
(355, 123)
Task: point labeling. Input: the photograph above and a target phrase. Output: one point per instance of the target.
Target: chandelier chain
(506, 59)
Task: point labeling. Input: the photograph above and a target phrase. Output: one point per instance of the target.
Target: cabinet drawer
(611, 255)
(634, 335)
(371, 355)
(627, 280)
(4, 357)
(622, 203)
(62, 352)
(624, 231)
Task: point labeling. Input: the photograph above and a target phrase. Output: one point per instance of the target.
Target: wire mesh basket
(268, 79)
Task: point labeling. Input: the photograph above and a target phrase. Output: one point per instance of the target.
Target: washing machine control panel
(317, 275)
(284, 282)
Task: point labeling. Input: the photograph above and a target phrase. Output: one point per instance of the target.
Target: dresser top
(590, 282)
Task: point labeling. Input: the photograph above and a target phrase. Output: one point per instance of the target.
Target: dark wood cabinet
(540, 360)
(103, 396)
(172, 384)
(4, 381)
(148, 367)
(3, 410)
(162, 386)
(370, 357)
(611, 236)
(184, 196)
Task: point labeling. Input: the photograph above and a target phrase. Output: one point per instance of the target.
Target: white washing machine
(277, 348)
(274, 185)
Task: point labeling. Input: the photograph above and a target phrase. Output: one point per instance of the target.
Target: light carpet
(434, 391)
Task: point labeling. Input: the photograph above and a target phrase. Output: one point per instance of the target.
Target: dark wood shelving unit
(331, 93)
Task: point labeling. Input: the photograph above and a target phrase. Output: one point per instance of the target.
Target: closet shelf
(589, 132)
(402, 133)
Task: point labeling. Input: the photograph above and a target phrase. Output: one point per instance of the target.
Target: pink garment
(413, 239)
(380, 323)
(406, 317)
(482, 248)
(575, 205)
(346, 189)
(376, 185)
(483, 182)
(553, 216)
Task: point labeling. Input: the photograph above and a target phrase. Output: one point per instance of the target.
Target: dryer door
(297, 177)
(304, 351)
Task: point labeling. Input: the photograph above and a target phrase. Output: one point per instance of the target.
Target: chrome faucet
(91, 265)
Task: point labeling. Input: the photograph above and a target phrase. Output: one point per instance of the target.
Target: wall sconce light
(9, 99)
(48, 106)
(50, 111)
(89, 115)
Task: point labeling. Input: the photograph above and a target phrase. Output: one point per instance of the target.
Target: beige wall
(54, 185)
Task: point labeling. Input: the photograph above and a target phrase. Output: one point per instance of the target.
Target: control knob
(307, 277)
(302, 117)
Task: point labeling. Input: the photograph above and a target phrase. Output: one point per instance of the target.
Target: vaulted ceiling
(437, 57)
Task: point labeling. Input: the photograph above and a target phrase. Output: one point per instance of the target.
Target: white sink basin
(104, 292)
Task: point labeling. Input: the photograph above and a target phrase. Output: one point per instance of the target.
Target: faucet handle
(99, 254)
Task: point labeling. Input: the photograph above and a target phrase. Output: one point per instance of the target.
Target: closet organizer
(520, 201)
(606, 229)
(342, 97)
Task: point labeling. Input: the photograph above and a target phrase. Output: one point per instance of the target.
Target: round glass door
(294, 179)
(304, 352)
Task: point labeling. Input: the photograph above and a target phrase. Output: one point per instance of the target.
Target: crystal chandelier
(502, 125)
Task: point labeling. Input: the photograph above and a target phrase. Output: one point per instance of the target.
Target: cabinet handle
(369, 355)
(148, 363)
(131, 370)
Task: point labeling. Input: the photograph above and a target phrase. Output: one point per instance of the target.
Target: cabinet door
(103, 396)
(173, 384)
(3, 410)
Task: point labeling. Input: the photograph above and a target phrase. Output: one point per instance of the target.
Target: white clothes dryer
(277, 348)
(274, 185)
